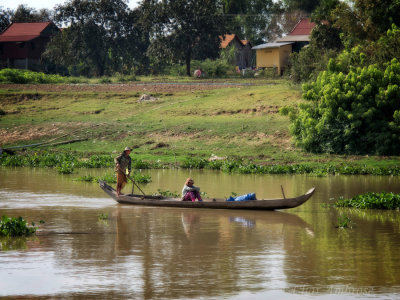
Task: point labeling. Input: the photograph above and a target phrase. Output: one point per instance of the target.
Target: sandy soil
(25, 133)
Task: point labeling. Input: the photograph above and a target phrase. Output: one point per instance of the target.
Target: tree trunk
(188, 57)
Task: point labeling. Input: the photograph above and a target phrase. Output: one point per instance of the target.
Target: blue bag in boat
(251, 196)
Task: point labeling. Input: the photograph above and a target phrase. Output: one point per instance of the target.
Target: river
(143, 252)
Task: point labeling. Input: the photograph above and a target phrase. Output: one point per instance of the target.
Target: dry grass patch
(26, 133)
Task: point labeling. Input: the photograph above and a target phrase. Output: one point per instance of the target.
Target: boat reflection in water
(240, 250)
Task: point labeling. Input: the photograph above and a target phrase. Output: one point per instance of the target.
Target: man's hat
(127, 149)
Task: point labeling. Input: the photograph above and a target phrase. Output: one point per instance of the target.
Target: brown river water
(142, 252)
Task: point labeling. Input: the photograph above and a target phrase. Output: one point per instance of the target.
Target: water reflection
(16, 243)
(181, 248)
(169, 253)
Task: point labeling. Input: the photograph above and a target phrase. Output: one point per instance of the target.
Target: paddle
(133, 181)
(136, 185)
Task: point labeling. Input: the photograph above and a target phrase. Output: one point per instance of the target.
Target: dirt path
(160, 87)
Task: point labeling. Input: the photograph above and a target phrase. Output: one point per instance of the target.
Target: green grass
(238, 122)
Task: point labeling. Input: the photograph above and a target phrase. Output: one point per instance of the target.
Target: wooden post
(283, 193)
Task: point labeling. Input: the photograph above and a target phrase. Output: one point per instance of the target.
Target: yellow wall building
(273, 55)
(276, 54)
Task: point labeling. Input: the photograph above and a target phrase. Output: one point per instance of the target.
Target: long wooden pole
(283, 193)
(133, 181)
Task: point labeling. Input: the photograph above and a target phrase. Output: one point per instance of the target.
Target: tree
(5, 18)
(259, 19)
(101, 37)
(252, 20)
(178, 27)
(282, 22)
(25, 14)
(351, 110)
(358, 20)
(378, 15)
(304, 5)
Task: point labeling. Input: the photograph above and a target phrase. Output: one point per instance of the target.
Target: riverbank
(67, 162)
(184, 124)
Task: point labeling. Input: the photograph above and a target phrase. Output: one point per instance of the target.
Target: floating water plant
(167, 193)
(102, 216)
(372, 201)
(16, 227)
(344, 222)
(111, 178)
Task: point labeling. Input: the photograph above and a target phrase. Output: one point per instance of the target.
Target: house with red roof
(276, 54)
(22, 44)
(243, 55)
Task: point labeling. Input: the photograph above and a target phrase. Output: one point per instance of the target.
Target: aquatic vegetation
(66, 168)
(108, 177)
(140, 164)
(98, 161)
(111, 178)
(194, 163)
(344, 222)
(372, 201)
(16, 227)
(204, 194)
(86, 178)
(102, 216)
(167, 193)
(66, 162)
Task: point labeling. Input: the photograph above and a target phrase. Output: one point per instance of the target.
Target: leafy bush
(194, 163)
(126, 78)
(66, 167)
(105, 80)
(308, 63)
(267, 73)
(372, 200)
(287, 110)
(248, 73)
(25, 76)
(215, 68)
(354, 113)
(176, 70)
(385, 49)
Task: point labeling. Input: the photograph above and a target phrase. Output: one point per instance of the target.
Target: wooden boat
(264, 204)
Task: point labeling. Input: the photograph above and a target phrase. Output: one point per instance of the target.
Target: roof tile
(304, 27)
(22, 32)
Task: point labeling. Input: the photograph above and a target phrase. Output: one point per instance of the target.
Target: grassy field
(235, 118)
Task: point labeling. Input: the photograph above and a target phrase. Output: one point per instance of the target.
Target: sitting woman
(190, 192)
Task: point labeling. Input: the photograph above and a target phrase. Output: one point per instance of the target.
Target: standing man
(123, 162)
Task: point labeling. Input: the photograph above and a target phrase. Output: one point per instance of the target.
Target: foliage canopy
(180, 29)
(351, 110)
(102, 37)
